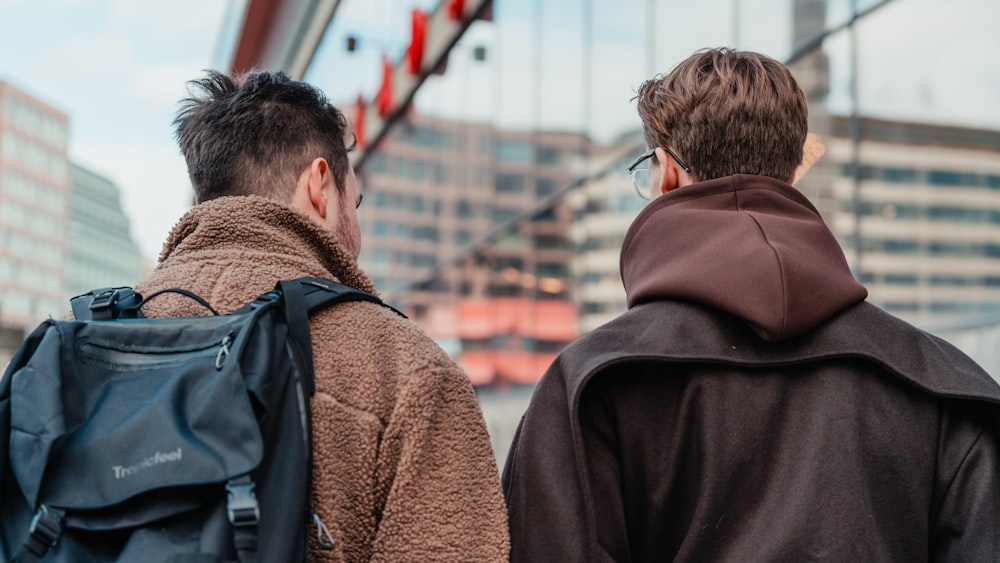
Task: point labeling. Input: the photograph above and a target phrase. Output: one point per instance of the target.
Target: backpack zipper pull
(323, 536)
(220, 358)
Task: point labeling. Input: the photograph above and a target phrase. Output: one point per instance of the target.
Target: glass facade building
(463, 227)
(102, 252)
(903, 110)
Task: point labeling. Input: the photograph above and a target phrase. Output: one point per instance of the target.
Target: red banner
(359, 121)
(455, 9)
(383, 100)
(415, 54)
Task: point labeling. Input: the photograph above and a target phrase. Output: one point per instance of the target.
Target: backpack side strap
(46, 528)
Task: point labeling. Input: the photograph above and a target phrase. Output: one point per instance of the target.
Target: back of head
(727, 112)
(254, 134)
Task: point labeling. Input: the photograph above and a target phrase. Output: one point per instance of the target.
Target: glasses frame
(632, 168)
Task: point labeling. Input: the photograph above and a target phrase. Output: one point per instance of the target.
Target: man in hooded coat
(750, 405)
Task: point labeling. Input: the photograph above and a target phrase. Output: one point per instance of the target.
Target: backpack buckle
(44, 531)
(242, 503)
(103, 303)
(109, 302)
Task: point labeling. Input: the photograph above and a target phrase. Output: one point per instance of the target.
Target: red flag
(359, 121)
(383, 100)
(455, 9)
(415, 54)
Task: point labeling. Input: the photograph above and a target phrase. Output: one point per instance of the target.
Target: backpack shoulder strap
(320, 293)
(306, 295)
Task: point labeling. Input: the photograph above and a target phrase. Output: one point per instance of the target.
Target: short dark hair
(255, 133)
(727, 112)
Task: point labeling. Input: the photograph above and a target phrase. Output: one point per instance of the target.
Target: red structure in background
(500, 337)
(258, 24)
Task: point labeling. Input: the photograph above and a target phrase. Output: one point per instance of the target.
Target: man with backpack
(402, 464)
(402, 467)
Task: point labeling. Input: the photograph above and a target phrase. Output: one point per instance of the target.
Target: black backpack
(124, 438)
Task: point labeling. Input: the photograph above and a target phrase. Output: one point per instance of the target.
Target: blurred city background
(492, 141)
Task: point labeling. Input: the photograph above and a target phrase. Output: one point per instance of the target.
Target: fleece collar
(240, 224)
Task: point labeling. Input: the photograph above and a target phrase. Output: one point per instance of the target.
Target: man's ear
(669, 179)
(310, 197)
(316, 178)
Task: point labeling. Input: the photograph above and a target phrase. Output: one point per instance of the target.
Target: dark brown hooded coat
(750, 406)
(403, 469)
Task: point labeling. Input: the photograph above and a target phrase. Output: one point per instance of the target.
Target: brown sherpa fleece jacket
(403, 469)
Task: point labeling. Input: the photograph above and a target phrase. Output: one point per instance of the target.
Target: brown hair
(727, 112)
(254, 135)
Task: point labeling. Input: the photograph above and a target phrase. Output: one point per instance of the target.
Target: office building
(463, 228)
(62, 228)
(34, 208)
(605, 208)
(927, 211)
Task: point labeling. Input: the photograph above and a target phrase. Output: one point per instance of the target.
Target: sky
(119, 67)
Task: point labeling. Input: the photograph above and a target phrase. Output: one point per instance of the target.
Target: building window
(485, 143)
(951, 178)
(548, 156)
(938, 279)
(465, 209)
(901, 279)
(377, 163)
(515, 151)
(504, 215)
(425, 233)
(441, 174)
(482, 176)
(417, 170)
(545, 187)
(899, 175)
(417, 204)
(551, 242)
(510, 183)
(399, 167)
(553, 270)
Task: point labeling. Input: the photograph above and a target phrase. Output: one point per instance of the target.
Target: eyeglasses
(361, 197)
(639, 171)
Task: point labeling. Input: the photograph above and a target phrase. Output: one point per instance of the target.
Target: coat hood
(751, 246)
